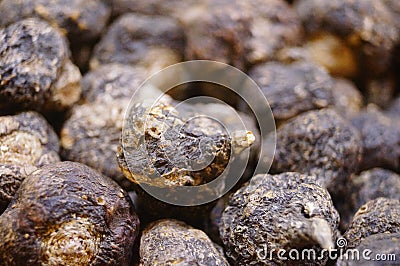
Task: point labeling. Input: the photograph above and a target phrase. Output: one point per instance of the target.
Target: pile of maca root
(329, 70)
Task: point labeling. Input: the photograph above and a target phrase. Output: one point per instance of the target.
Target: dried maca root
(217, 31)
(68, 214)
(374, 247)
(381, 215)
(274, 25)
(367, 27)
(164, 148)
(272, 212)
(380, 139)
(113, 81)
(171, 242)
(326, 50)
(91, 133)
(293, 89)
(174, 146)
(81, 20)
(11, 177)
(26, 142)
(369, 185)
(91, 136)
(27, 139)
(372, 184)
(240, 32)
(234, 120)
(35, 71)
(174, 8)
(153, 42)
(319, 143)
(301, 85)
(348, 100)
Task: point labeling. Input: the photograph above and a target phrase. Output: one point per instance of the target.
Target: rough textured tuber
(170, 242)
(68, 214)
(82, 20)
(320, 143)
(91, 133)
(286, 211)
(35, 71)
(139, 40)
(380, 139)
(381, 215)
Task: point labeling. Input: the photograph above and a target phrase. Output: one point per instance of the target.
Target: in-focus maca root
(379, 249)
(35, 70)
(380, 135)
(153, 42)
(80, 19)
(320, 143)
(234, 120)
(171, 242)
(91, 133)
(163, 148)
(68, 214)
(272, 212)
(381, 215)
(178, 146)
(293, 89)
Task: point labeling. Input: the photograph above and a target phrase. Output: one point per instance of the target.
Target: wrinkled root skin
(286, 211)
(319, 143)
(68, 214)
(171, 242)
(381, 215)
